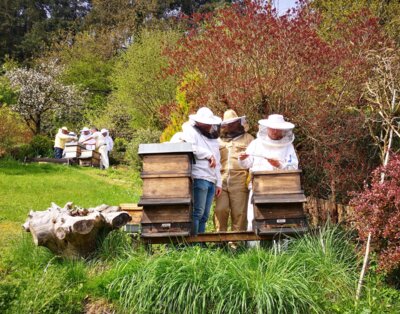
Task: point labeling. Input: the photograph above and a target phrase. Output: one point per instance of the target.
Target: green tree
(87, 64)
(27, 27)
(139, 86)
(335, 12)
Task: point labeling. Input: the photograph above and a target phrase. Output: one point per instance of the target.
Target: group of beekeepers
(225, 153)
(92, 139)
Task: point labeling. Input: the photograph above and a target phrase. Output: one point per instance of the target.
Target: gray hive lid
(165, 148)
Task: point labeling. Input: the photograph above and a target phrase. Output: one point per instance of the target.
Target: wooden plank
(175, 227)
(51, 160)
(130, 206)
(279, 198)
(283, 230)
(276, 182)
(163, 174)
(277, 211)
(167, 163)
(165, 234)
(167, 214)
(165, 148)
(271, 224)
(167, 188)
(222, 236)
(164, 201)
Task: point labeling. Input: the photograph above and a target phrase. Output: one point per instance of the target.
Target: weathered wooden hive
(73, 150)
(89, 158)
(167, 189)
(135, 212)
(278, 200)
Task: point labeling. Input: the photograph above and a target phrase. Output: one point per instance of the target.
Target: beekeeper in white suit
(85, 134)
(101, 146)
(271, 150)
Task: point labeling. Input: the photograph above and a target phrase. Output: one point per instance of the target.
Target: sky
(283, 5)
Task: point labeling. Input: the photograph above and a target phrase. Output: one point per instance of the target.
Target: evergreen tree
(27, 27)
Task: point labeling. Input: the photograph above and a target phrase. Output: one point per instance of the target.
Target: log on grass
(72, 231)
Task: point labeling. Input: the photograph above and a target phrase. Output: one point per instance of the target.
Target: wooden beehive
(89, 158)
(278, 200)
(135, 212)
(167, 189)
(73, 150)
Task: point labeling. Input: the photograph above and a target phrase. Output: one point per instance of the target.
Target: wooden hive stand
(135, 211)
(278, 201)
(167, 189)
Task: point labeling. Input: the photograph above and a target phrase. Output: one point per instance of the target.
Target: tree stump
(72, 231)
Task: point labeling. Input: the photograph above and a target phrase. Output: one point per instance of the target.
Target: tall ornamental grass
(316, 273)
(310, 275)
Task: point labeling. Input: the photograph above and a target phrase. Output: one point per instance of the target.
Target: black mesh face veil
(209, 131)
(232, 129)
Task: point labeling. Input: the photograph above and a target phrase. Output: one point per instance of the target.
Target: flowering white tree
(41, 95)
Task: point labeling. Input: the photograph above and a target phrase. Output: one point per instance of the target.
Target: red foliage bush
(377, 210)
(254, 61)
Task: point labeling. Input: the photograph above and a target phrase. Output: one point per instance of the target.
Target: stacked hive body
(73, 150)
(89, 158)
(278, 200)
(167, 189)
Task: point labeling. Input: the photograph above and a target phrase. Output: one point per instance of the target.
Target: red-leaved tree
(252, 60)
(377, 211)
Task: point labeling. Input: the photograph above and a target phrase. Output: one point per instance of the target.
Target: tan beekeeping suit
(233, 200)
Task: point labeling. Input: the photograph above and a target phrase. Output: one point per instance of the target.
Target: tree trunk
(72, 231)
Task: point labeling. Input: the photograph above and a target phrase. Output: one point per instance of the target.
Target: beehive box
(167, 189)
(171, 218)
(276, 182)
(89, 158)
(277, 200)
(73, 150)
(135, 211)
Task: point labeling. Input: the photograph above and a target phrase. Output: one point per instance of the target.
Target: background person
(109, 141)
(233, 200)
(101, 146)
(85, 134)
(62, 137)
(272, 150)
(202, 132)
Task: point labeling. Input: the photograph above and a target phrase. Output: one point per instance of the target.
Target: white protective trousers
(104, 162)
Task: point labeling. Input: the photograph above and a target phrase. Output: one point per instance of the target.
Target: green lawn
(25, 187)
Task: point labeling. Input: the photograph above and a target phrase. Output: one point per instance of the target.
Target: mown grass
(316, 273)
(34, 186)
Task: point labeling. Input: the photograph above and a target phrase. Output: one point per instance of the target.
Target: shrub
(377, 211)
(12, 130)
(119, 150)
(141, 136)
(39, 146)
(42, 146)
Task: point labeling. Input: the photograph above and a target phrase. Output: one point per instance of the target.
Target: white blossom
(41, 95)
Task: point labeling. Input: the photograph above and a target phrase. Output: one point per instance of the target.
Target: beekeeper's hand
(275, 163)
